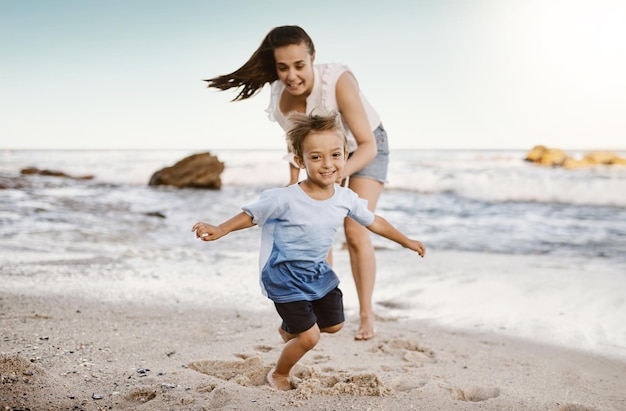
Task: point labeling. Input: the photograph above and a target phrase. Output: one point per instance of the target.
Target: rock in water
(201, 170)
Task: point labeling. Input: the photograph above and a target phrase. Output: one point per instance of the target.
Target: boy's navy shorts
(299, 316)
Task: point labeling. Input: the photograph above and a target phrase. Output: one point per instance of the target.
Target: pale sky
(117, 74)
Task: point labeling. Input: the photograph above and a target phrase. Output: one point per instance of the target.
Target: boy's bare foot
(366, 330)
(278, 382)
(285, 335)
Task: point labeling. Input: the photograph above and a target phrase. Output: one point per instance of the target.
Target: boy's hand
(206, 232)
(417, 247)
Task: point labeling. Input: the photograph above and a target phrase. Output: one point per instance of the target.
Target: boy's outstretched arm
(383, 228)
(208, 232)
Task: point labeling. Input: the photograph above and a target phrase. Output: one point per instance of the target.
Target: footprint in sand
(474, 394)
(407, 383)
(221, 397)
(206, 387)
(309, 382)
(321, 359)
(248, 371)
(575, 407)
(409, 351)
(141, 396)
(263, 348)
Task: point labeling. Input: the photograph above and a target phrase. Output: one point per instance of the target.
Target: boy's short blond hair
(301, 125)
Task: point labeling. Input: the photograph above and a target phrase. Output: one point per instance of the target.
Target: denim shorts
(377, 168)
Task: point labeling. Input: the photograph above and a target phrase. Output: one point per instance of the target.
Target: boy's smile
(324, 158)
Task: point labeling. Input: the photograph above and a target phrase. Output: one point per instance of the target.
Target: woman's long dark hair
(261, 66)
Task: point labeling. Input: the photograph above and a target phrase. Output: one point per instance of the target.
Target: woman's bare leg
(296, 346)
(362, 258)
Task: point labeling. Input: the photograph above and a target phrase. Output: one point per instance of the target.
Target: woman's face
(294, 66)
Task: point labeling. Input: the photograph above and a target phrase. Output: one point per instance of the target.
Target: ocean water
(513, 248)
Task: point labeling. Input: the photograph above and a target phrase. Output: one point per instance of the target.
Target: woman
(285, 60)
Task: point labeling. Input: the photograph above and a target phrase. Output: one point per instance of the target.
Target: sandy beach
(68, 353)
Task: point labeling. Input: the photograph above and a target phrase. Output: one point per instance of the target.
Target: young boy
(299, 223)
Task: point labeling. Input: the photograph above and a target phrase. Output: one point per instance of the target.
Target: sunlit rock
(555, 157)
(552, 157)
(600, 157)
(201, 170)
(572, 163)
(535, 153)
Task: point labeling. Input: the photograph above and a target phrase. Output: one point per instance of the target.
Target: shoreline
(64, 352)
(573, 303)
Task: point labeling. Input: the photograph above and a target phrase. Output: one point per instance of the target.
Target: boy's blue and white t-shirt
(297, 233)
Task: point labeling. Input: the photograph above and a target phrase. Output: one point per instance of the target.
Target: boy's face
(323, 157)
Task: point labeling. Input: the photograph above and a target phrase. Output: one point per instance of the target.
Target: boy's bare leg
(285, 335)
(294, 350)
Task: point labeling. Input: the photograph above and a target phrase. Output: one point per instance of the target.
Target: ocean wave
(525, 183)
